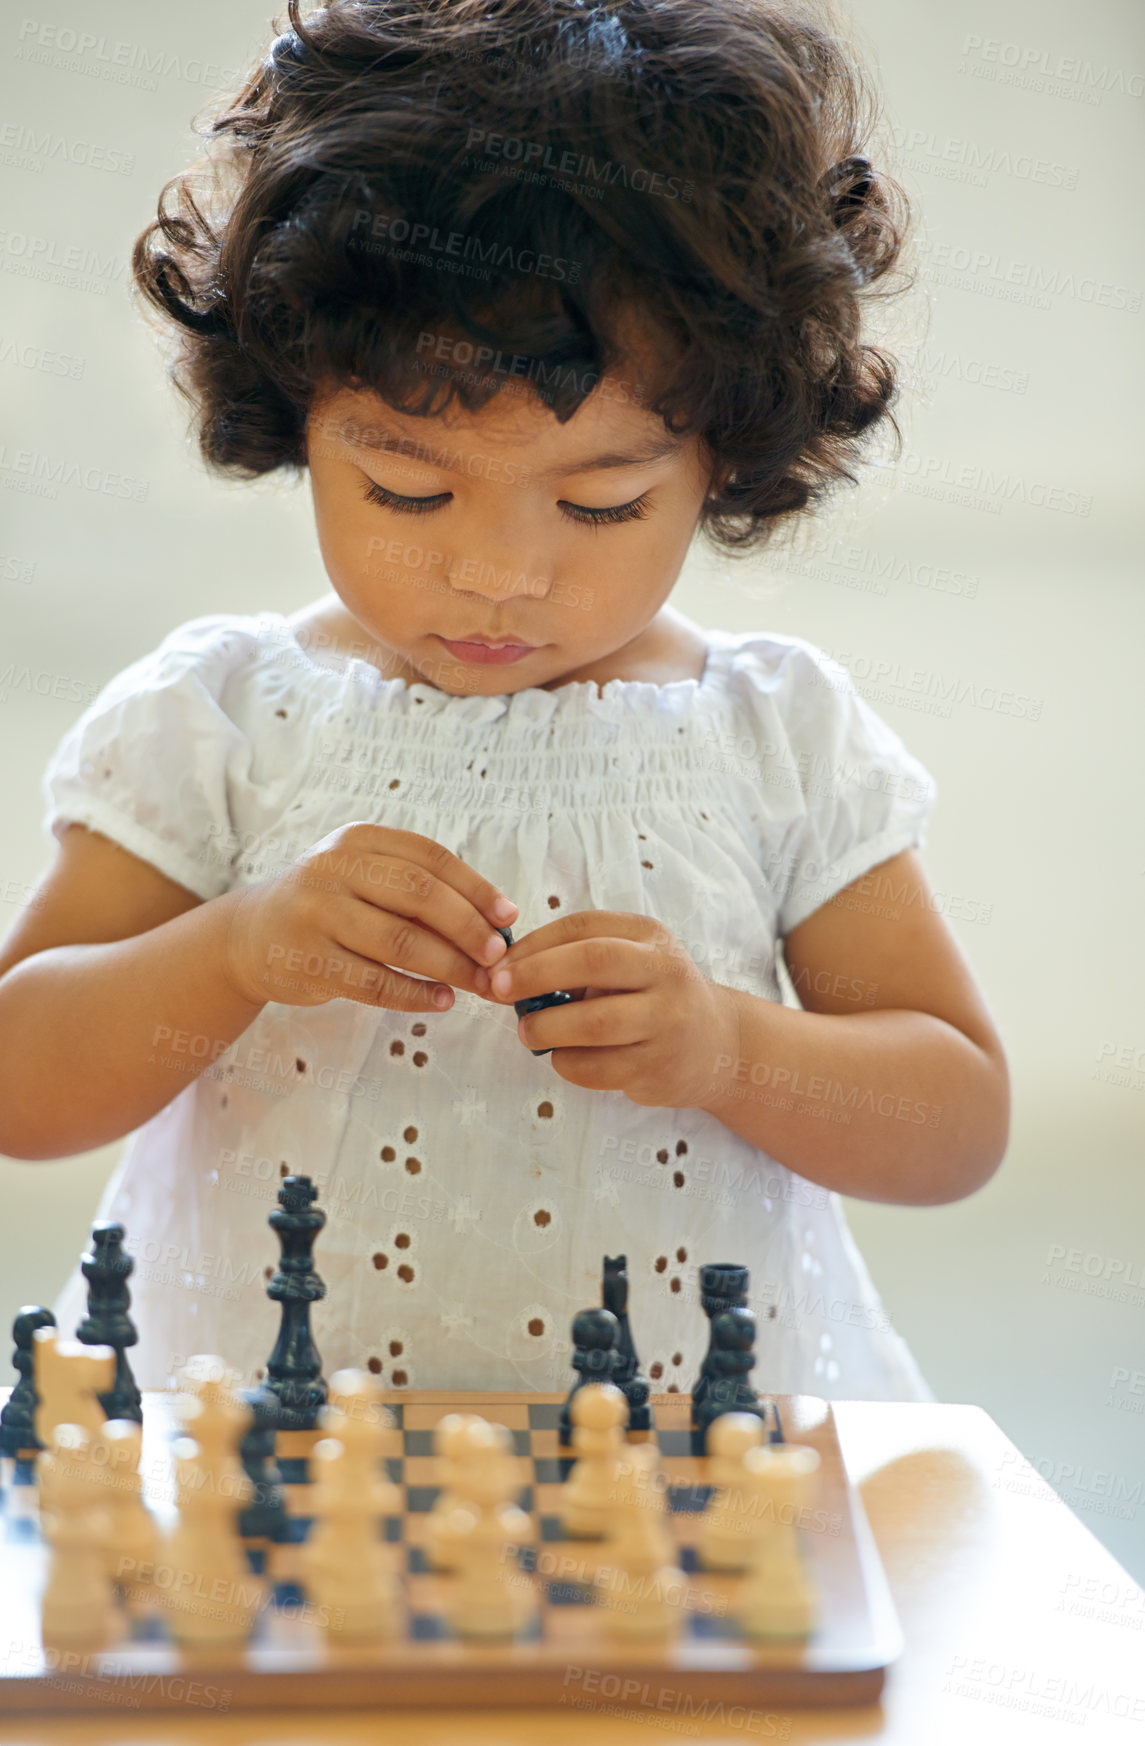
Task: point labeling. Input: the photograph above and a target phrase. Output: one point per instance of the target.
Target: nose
(500, 571)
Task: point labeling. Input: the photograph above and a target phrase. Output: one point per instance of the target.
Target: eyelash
(634, 511)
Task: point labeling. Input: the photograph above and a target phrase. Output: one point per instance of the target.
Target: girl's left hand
(644, 1019)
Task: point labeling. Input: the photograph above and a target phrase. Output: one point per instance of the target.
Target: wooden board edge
(247, 1689)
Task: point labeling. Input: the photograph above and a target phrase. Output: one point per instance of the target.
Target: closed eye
(634, 511)
(407, 505)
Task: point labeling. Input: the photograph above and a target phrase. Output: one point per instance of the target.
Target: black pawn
(294, 1368)
(595, 1357)
(627, 1376)
(723, 1288)
(17, 1420)
(107, 1269)
(535, 1002)
(264, 1518)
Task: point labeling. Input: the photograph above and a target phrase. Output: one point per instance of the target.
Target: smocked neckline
(632, 692)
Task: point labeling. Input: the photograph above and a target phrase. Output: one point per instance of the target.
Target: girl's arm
(893, 1084)
(113, 998)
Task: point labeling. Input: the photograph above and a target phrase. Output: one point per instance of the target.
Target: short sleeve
(152, 760)
(852, 794)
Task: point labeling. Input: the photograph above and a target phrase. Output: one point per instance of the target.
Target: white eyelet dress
(470, 1192)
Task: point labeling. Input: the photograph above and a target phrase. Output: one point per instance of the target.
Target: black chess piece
(17, 1420)
(627, 1376)
(595, 1357)
(723, 1289)
(535, 1002)
(294, 1368)
(107, 1268)
(265, 1517)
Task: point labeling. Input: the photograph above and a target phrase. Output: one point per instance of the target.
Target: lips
(485, 653)
(491, 642)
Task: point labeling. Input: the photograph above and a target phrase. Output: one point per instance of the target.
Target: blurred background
(984, 590)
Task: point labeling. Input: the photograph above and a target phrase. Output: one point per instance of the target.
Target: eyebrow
(641, 454)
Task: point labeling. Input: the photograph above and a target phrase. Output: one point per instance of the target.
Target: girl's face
(502, 526)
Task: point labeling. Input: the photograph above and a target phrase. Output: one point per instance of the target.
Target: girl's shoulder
(787, 677)
(225, 661)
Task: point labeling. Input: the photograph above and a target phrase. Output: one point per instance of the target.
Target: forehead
(607, 428)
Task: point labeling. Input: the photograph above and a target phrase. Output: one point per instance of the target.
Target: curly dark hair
(699, 162)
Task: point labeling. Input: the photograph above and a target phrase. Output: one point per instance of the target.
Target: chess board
(567, 1657)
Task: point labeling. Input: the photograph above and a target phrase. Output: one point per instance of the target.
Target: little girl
(534, 290)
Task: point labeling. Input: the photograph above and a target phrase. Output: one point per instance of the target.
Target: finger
(398, 941)
(399, 886)
(585, 924)
(338, 974)
(613, 1020)
(600, 1069)
(422, 853)
(604, 962)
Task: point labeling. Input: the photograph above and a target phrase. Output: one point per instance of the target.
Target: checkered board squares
(288, 1659)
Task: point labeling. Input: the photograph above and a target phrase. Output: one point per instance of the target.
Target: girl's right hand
(359, 910)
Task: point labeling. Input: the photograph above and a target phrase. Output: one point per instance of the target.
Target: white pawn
(345, 1564)
(213, 1595)
(724, 1527)
(491, 1596)
(641, 1586)
(599, 1413)
(117, 1453)
(68, 1378)
(777, 1597)
(78, 1598)
(448, 1435)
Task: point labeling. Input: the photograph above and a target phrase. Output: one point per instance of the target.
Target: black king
(294, 1369)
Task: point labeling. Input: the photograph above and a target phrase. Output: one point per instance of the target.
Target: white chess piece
(599, 1413)
(491, 1596)
(641, 1586)
(448, 1435)
(136, 1533)
(78, 1598)
(68, 1377)
(777, 1597)
(211, 1595)
(724, 1527)
(346, 1566)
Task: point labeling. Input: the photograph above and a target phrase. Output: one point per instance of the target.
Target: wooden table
(1019, 1626)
